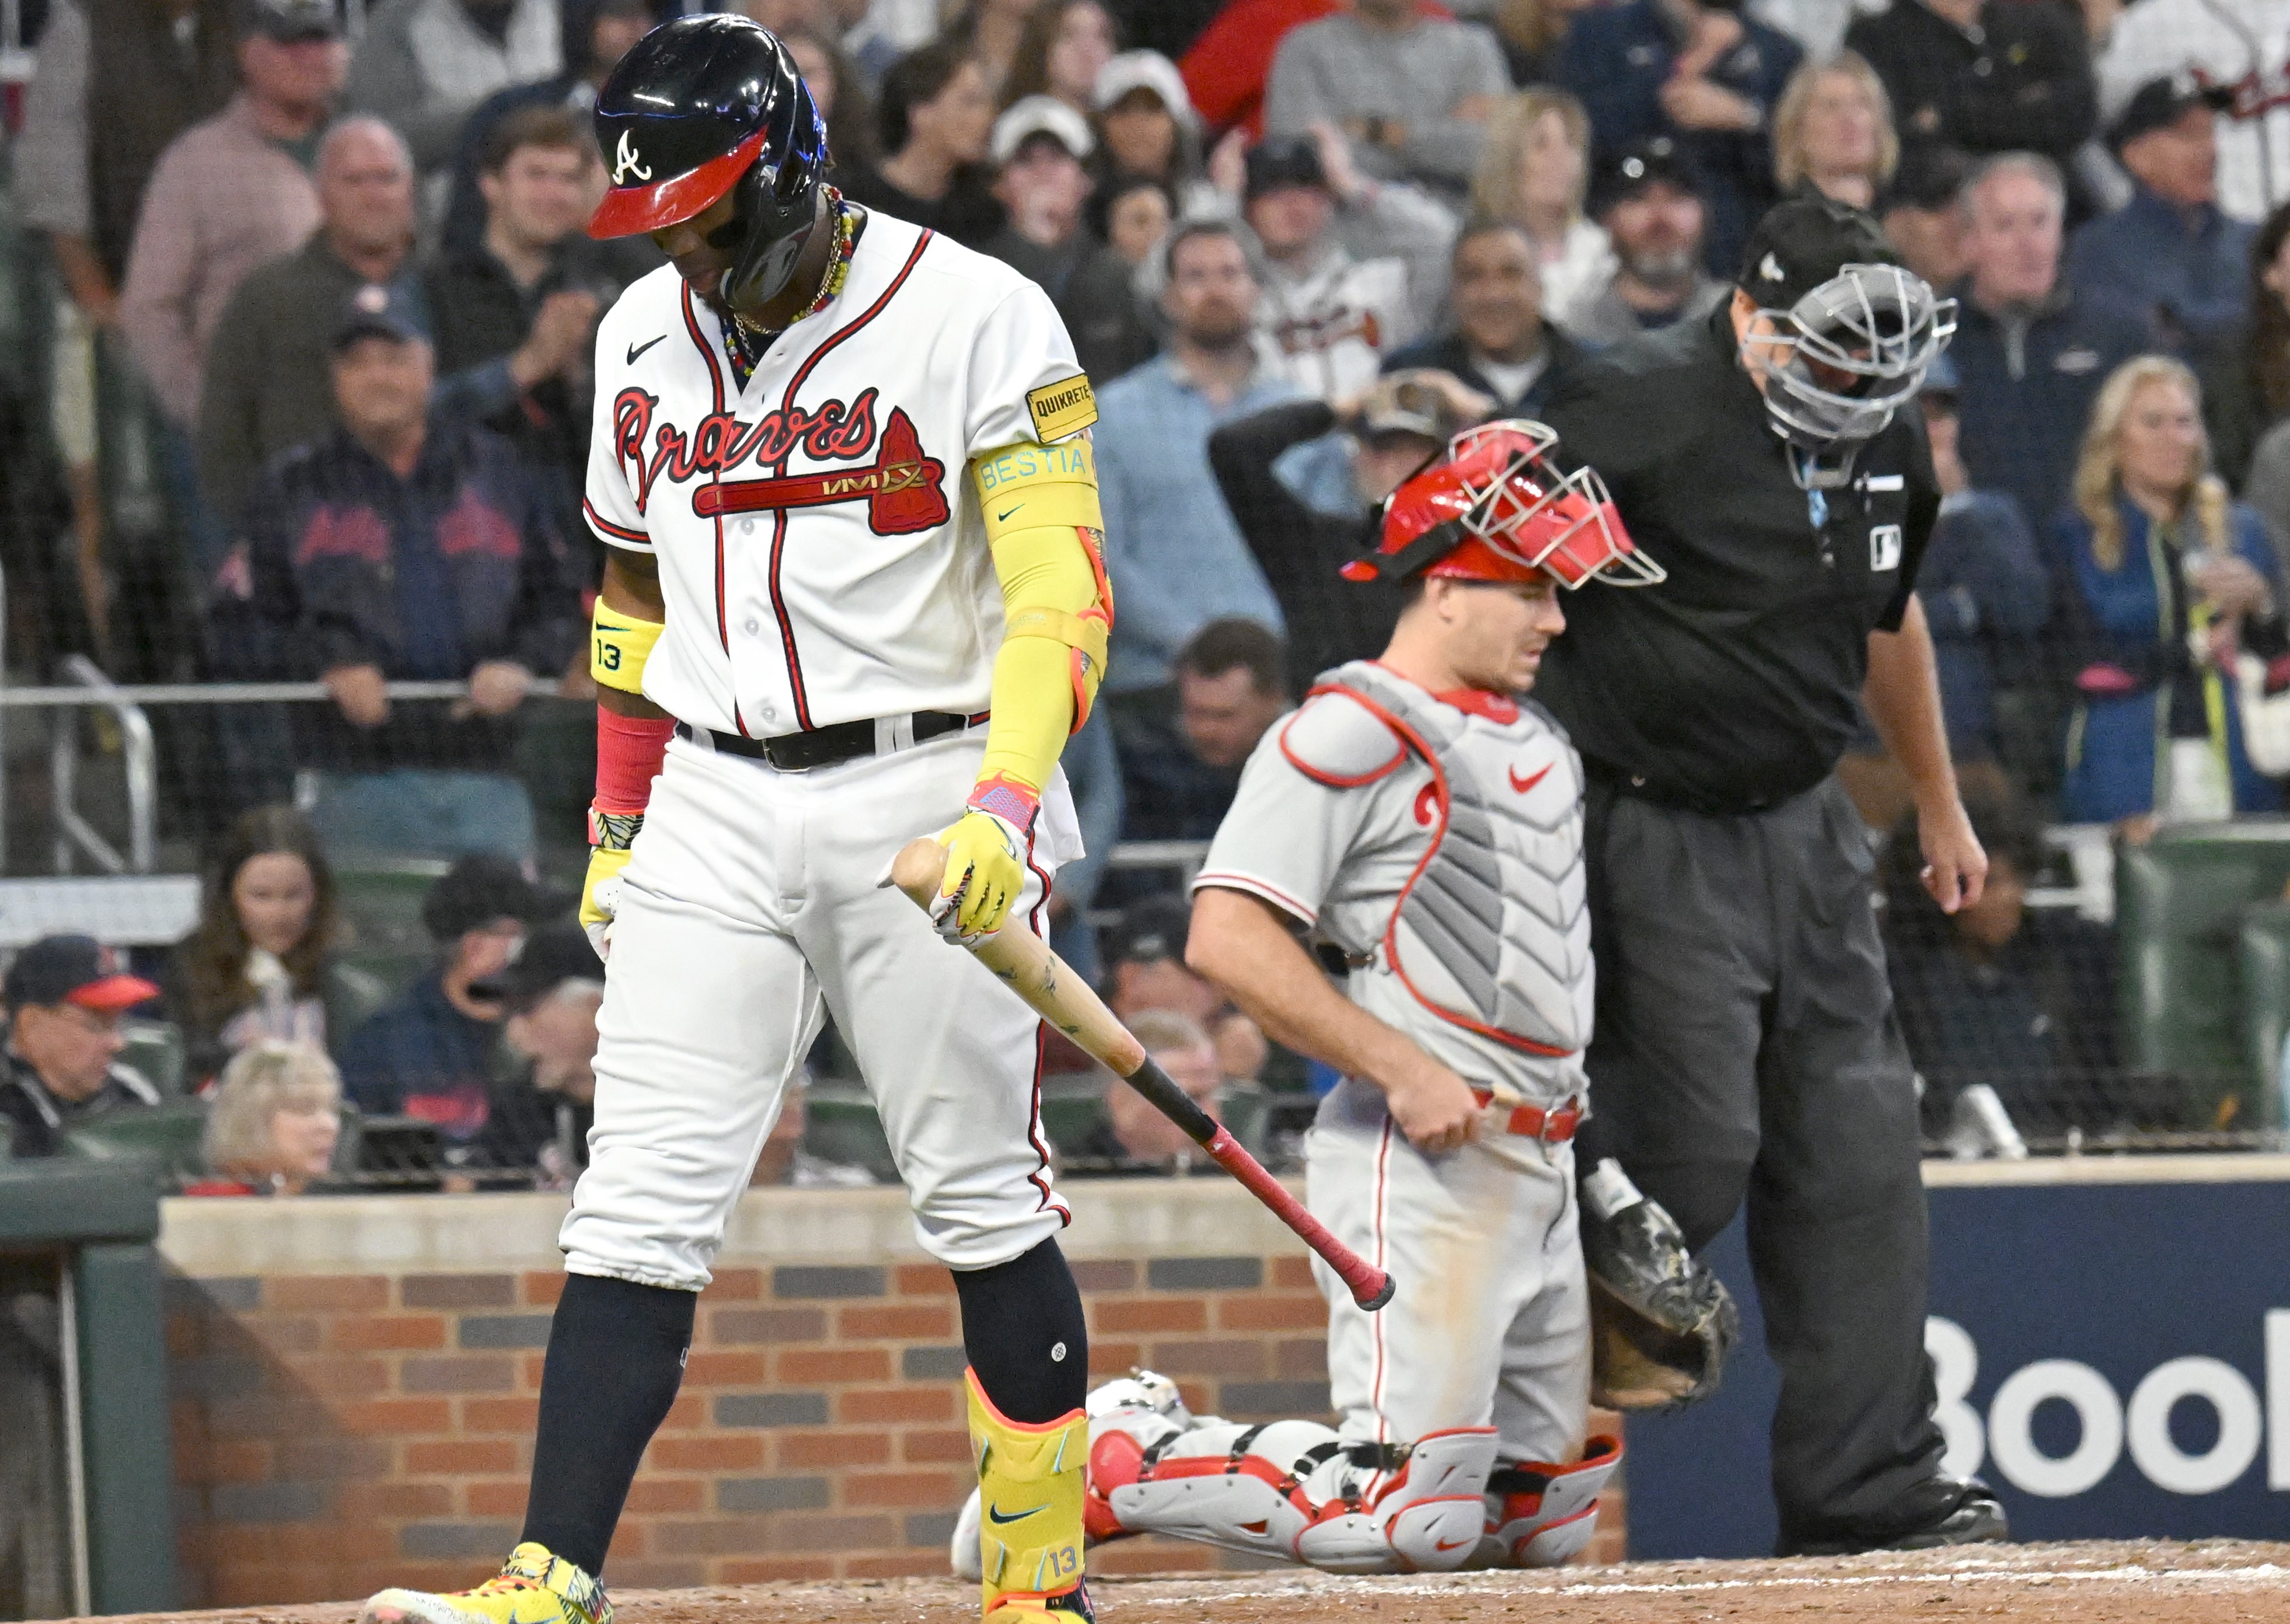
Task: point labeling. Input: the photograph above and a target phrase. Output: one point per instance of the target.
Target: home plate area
(2118, 1582)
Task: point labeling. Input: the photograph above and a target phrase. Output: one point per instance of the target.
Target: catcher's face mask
(1843, 359)
(1494, 506)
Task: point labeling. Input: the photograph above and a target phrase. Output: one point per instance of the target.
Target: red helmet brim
(629, 210)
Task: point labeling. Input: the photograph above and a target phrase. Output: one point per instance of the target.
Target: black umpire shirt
(1735, 683)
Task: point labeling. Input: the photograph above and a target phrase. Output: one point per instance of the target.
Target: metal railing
(88, 688)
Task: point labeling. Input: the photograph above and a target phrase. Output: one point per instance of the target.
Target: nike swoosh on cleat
(637, 349)
(1451, 1545)
(1523, 785)
(994, 1514)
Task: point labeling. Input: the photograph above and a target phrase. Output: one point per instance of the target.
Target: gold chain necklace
(838, 272)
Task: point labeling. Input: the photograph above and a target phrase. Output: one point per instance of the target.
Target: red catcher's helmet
(1494, 509)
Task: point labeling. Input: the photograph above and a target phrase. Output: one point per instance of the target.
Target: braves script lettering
(721, 443)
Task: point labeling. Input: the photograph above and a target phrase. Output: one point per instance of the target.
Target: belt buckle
(1550, 1115)
(771, 757)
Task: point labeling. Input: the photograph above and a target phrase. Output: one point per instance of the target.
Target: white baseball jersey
(823, 560)
(821, 548)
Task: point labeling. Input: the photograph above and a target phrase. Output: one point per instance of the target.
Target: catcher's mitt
(1661, 1322)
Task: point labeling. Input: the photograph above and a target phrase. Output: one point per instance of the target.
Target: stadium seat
(2179, 902)
(382, 933)
(2263, 952)
(170, 1132)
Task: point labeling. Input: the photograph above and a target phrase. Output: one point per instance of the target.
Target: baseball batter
(853, 595)
(1425, 826)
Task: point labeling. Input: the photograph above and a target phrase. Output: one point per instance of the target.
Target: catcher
(1423, 826)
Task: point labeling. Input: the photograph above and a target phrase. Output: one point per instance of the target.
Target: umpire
(1745, 1041)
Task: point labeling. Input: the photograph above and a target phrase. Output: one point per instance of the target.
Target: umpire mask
(1841, 360)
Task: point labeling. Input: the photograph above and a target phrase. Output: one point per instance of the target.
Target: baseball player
(853, 595)
(1424, 825)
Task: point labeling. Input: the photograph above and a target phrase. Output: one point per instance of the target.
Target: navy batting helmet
(704, 105)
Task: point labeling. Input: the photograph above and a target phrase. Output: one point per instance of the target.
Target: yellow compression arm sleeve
(619, 644)
(1043, 522)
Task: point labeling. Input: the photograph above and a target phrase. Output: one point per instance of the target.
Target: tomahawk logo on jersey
(820, 547)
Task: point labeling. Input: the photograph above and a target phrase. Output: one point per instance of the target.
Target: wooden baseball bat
(1058, 995)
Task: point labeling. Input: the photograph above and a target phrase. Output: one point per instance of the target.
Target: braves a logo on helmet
(625, 163)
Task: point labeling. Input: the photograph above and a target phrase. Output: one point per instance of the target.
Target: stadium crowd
(312, 385)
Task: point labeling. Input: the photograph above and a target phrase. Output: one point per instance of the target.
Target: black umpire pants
(1746, 1048)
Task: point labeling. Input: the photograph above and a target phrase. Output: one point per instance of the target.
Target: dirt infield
(2118, 1583)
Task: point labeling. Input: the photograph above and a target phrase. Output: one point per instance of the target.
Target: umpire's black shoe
(1938, 1511)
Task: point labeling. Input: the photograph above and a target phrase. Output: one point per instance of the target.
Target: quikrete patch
(1062, 408)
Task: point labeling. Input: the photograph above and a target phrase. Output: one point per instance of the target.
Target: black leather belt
(819, 747)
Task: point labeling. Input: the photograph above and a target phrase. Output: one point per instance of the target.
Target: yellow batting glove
(986, 851)
(985, 872)
(610, 838)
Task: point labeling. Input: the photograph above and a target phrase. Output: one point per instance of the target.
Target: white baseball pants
(749, 904)
(1490, 1321)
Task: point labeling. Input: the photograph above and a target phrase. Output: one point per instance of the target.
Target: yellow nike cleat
(533, 1587)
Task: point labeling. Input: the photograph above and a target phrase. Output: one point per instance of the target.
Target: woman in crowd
(2247, 378)
(1148, 130)
(1110, 323)
(1833, 133)
(933, 114)
(2164, 578)
(260, 966)
(273, 1123)
(1063, 47)
(1533, 171)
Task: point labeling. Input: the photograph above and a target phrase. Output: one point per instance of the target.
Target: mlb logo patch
(1884, 548)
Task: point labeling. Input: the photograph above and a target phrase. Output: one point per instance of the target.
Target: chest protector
(1491, 933)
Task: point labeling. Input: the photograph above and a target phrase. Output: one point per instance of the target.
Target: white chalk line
(1452, 1583)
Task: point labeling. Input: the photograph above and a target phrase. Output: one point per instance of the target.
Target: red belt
(1554, 1126)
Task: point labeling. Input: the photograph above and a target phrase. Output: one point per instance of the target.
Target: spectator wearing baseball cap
(1412, 90)
(1149, 128)
(403, 545)
(66, 998)
(1301, 492)
(229, 193)
(1040, 147)
(431, 1053)
(1922, 211)
(1706, 75)
(549, 995)
(2169, 253)
(1648, 198)
(1353, 266)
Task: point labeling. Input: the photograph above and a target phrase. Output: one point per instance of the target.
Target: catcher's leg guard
(1030, 1487)
(1427, 1519)
(1223, 1483)
(1544, 1515)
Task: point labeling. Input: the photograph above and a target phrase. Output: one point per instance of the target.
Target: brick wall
(355, 1383)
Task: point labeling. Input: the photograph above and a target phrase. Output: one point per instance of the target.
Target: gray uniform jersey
(1336, 812)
